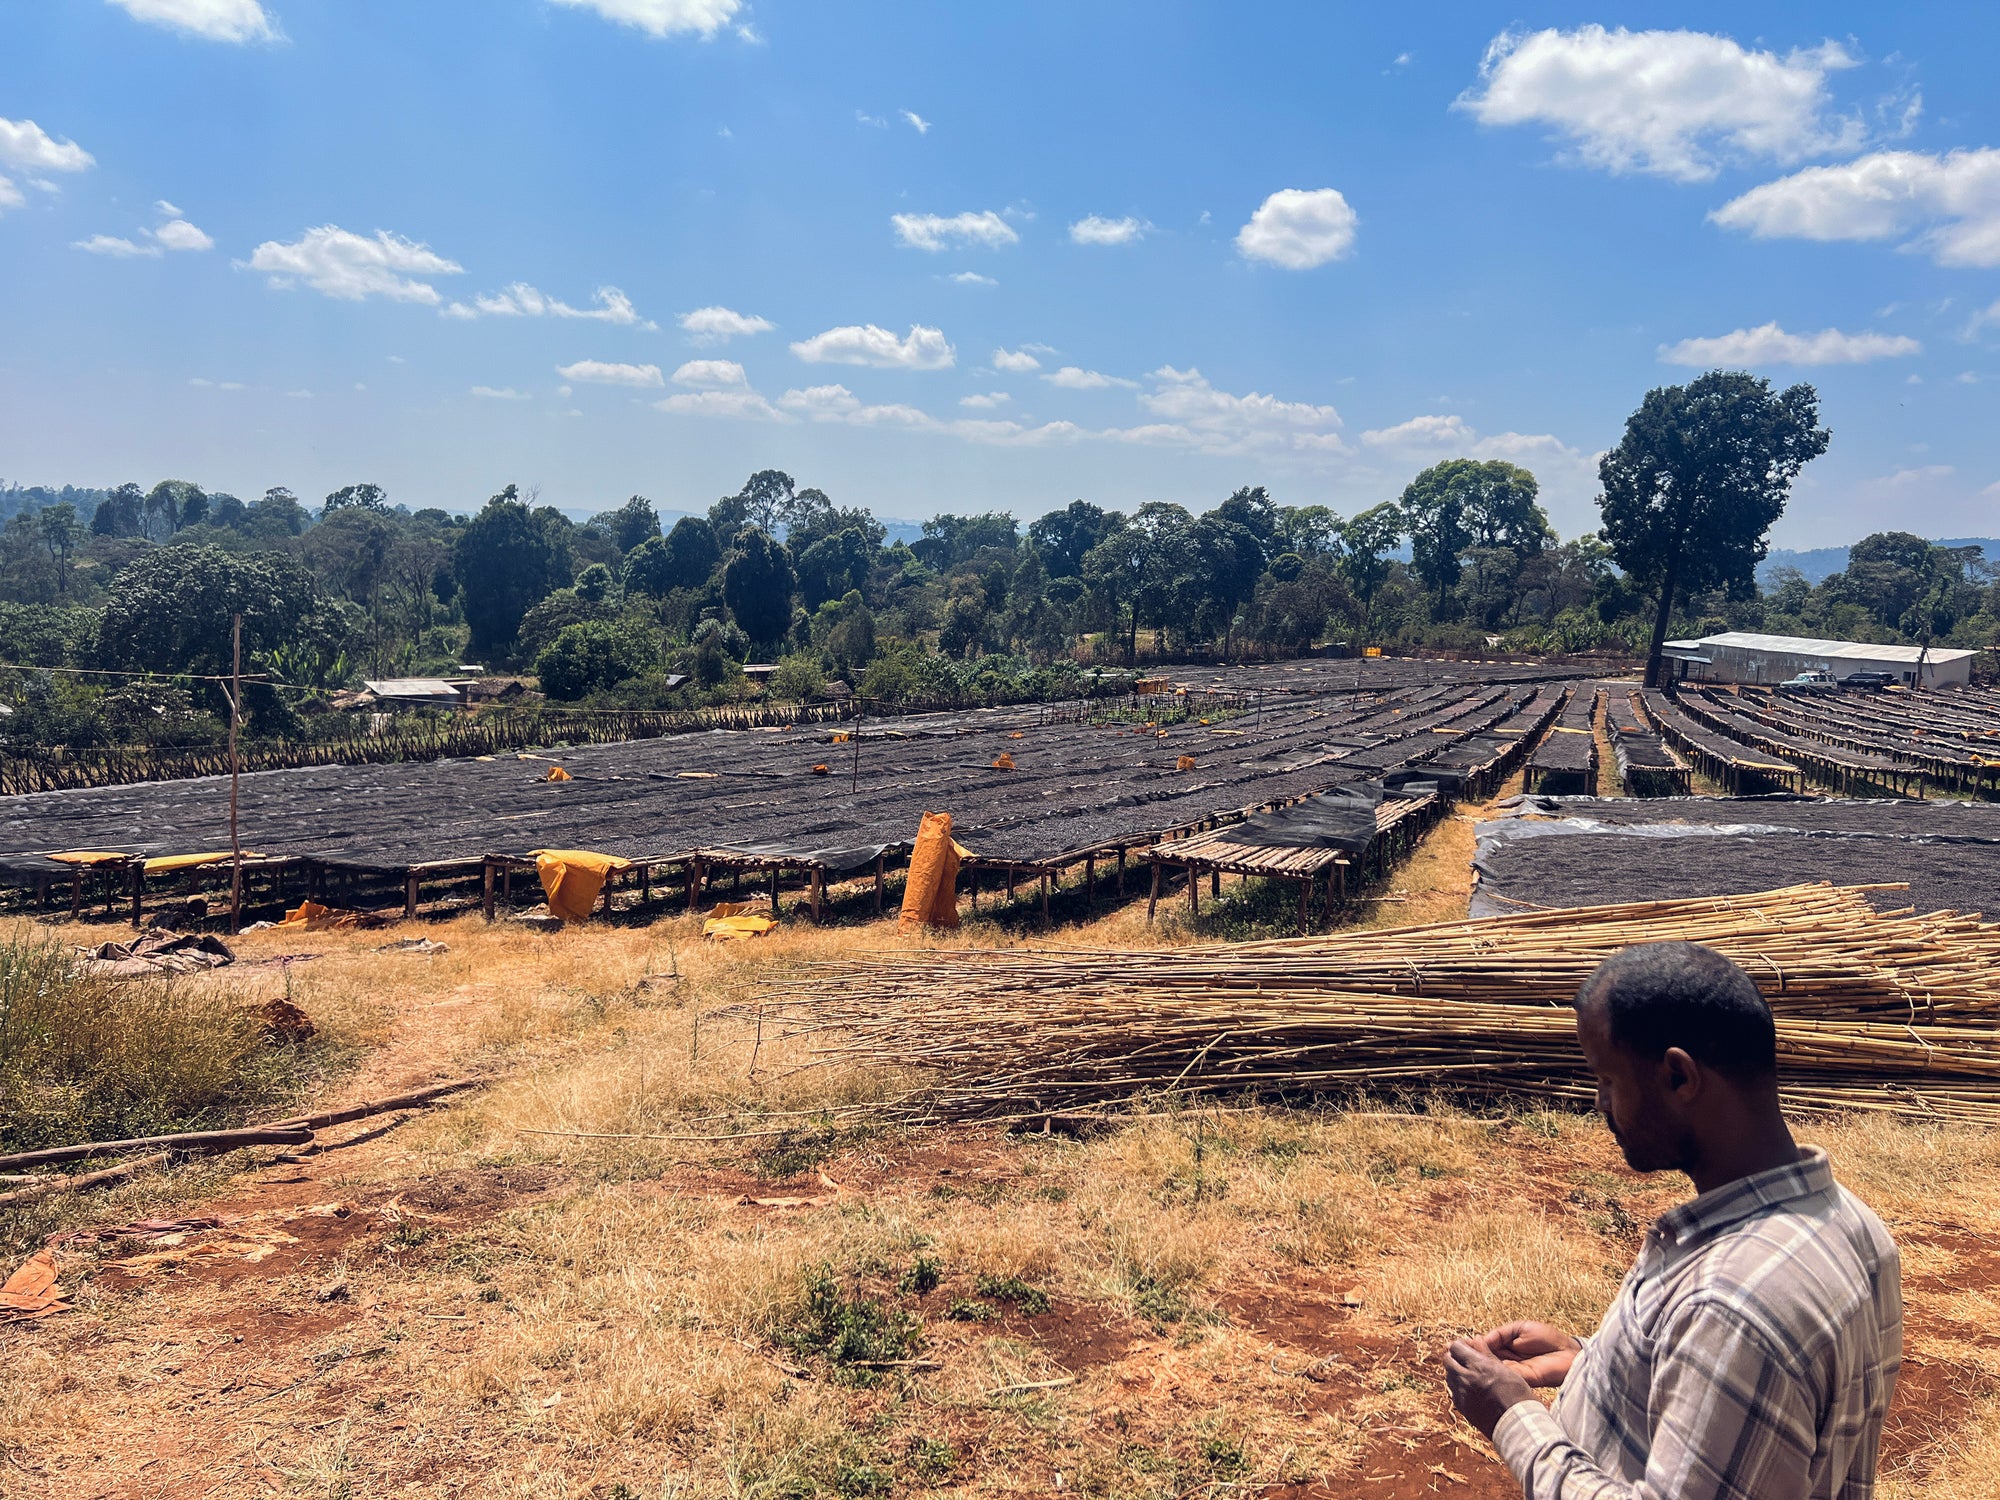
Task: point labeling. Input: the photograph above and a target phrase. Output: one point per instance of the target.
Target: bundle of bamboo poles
(1891, 1011)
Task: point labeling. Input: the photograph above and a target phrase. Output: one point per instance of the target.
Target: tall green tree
(1693, 487)
(1064, 536)
(630, 524)
(505, 562)
(1365, 544)
(1463, 503)
(757, 587)
(120, 513)
(170, 609)
(356, 496)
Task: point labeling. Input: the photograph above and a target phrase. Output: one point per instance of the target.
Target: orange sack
(930, 896)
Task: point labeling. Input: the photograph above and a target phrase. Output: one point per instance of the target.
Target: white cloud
(873, 122)
(836, 403)
(735, 405)
(1073, 378)
(923, 348)
(1093, 229)
(166, 210)
(711, 374)
(523, 301)
(351, 267)
(1951, 202)
(662, 18)
(25, 145)
(1429, 432)
(1015, 362)
(216, 385)
(214, 20)
(1771, 345)
(916, 121)
(988, 401)
(1299, 229)
(1194, 414)
(935, 232)
(972, 278)
(300, 395)
(500, 393)
(112, 245)
(1668, 102)
(178, 234)
(602, 372)
(718, 325)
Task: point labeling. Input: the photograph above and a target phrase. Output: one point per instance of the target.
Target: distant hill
(1820, 563)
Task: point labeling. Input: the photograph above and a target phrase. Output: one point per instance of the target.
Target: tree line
(117, 604)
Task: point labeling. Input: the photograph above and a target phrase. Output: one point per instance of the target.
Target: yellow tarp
(1184, 763)
(1003, 761)
(557, 773)
(930, 896)
(313, 916)
(191, 861)
(87, 857)
(573, 878)
(736, 929)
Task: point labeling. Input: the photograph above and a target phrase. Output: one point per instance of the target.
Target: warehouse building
(1744, 656)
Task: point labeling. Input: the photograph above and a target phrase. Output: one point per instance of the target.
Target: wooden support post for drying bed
(1215, 883)
(1045, 900)
(409, 895)
(646, 883)
(486, 887)
(1089, 882)
(1153, 901)
(879, 859)
(138, 889)
(1194, 892)
(694, 874)
(1305, 901)
(1121, 871)
(610, 878)
(972, 879)
(774, 893)
(818, 889)
(76, 893)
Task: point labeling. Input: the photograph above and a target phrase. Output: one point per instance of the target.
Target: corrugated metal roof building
(1745, 656)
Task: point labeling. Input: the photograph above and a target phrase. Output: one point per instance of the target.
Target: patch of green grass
(931, 1460)
(922, 1277)
(1223, 1456)
(862, 1479)
(794, 1154)
(1030, 1299)
(849, 1330)
(965, 1310)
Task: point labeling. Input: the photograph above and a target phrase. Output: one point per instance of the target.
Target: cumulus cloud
(523, 301)
(1428, 432)
(836, 403)
(500, 393)
(1771, 345)
(28, 147)
(662, 18)
(1672, 103)
(1073, 378)
(936, 232)
(1299, 229)
(711, 374)
(718, 325)
(735, 405)
(351, 267)
(1194, 414)
(212, 20)
(922, 349)
(604, 372)
(987, 401)
(178, 234)
(972, 278)
(1015, 361)
(916, 121)
(1949, 203)
(112, 245)
(1093, 229)
(216, 385)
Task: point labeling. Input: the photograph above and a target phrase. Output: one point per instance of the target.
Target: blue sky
(953, 257)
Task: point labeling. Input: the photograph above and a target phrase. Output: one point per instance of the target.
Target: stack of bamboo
(1888, 1011)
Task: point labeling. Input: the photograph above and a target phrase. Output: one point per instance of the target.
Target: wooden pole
(235, 775)
(1153, 901)
(486, 879)
(878, 881)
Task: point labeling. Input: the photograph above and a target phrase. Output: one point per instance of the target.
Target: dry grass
(1241, 1297)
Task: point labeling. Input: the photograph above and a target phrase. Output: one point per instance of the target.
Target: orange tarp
(930, 896)
(572, 879)
(32, 1292)
(1003, 762)
(557, 773)
(1184, 763)
(87, 857)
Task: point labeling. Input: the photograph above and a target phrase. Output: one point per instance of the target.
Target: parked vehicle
(1811, 681)
(1869, 680)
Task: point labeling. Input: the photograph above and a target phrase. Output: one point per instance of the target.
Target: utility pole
(235, 776)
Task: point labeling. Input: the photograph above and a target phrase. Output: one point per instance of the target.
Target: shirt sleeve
(1729, 1418)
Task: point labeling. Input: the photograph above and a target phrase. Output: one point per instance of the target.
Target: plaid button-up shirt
(1749, 1356)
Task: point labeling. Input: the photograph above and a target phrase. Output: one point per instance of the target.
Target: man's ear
(1681, 1075)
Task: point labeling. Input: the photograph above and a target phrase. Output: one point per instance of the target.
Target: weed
(861, 1480)
(850, 1331)
(1030, 1299)
(1224, 1456)
(931, 1460)
(1158, 1301)
(1050, 1192)
(922, 1277)
(794, 1154)
(965, 1310)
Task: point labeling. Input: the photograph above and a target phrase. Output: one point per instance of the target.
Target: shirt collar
(1718, 1208)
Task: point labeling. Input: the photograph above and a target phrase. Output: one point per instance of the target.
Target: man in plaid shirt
(1752, 1349)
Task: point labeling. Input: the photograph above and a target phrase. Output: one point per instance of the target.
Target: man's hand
(1540, 1354)
(1481, 1386)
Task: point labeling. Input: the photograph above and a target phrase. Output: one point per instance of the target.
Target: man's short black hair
(1661, 995)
